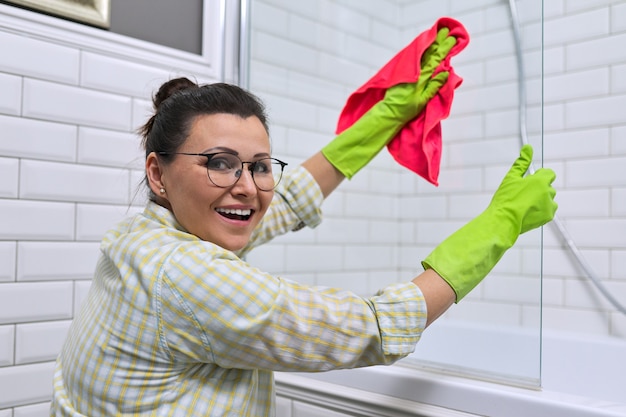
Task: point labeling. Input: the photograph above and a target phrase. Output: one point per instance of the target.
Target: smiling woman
(203, 203)
(177, 322)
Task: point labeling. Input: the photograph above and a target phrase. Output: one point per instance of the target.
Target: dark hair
(179, 101)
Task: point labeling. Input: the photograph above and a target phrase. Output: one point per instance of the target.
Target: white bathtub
(580, 377)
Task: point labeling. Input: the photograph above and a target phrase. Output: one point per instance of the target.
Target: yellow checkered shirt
(177, 326)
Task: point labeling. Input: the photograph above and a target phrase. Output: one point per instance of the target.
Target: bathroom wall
(306, 59)
(584, 141)
(380, 225)
(70, 163)
(70, 166)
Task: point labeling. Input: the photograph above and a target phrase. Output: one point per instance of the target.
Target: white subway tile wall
(35, 410)
(7, 344)
(71, 165)
(9, 171)
(36, 220)
(11, 98)
(108, 148)
(7, 261)
(35, 301)
(41, 180)
(75, 105)
(35, 139)
(579, 130)
(39, 342)
(51, 261)
(29, 57)
(26, 384)
(119, 76)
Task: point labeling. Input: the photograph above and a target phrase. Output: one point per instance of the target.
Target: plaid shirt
(174, 325)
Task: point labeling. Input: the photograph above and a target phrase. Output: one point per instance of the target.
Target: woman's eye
(219, 164)
(262, 167)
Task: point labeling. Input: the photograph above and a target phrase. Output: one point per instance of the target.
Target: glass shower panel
(495, 332)
(306, 58)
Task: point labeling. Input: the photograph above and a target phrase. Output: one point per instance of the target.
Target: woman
(177, 323)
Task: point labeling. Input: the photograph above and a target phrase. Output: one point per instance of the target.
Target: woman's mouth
(235, 214)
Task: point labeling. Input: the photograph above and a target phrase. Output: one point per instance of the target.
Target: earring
(162, 190)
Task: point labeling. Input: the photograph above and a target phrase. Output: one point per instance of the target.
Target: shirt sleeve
(297, 203)
(231, 314)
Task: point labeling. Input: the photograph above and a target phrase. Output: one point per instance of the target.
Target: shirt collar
(161, 215)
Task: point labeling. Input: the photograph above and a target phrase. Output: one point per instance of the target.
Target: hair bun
(171, 87)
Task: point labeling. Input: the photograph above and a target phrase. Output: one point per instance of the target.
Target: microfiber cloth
(418, 144)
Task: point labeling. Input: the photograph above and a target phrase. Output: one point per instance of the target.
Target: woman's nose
(246, 183)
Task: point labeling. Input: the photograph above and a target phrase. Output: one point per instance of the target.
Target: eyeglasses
(224, 169)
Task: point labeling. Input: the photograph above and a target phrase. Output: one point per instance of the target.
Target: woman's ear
(154, 174)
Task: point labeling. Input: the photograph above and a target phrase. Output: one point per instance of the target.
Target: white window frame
(211, 63)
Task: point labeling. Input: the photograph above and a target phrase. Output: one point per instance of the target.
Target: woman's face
(200, 206)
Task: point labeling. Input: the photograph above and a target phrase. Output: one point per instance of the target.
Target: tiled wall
(584, 140)
(70, 166)
(70, 163)
(307, 59)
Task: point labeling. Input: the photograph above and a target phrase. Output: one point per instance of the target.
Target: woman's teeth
(238, 214)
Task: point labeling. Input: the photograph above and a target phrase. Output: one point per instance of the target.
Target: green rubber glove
(356, 146)
(521, 203)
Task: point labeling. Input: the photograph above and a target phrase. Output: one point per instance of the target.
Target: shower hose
(561, 230)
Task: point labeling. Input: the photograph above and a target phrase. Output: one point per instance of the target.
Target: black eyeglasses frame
(209, 156)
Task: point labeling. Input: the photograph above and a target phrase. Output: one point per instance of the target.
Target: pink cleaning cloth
(418, 144)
